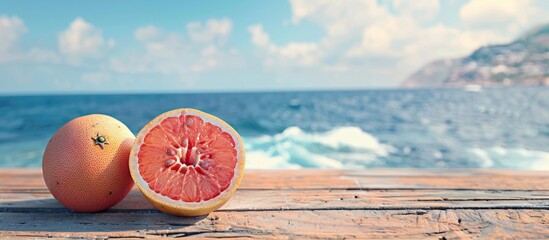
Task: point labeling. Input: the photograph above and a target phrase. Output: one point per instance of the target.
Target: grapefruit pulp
(187, 162)
(85, 164)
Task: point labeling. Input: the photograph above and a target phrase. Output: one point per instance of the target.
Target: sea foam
(341, 147)
(511, 158)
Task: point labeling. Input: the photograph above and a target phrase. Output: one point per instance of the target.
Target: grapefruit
(187, 162)
(85, 164)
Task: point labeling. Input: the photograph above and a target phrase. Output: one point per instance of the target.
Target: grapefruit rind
(178, 207)
(81, 175)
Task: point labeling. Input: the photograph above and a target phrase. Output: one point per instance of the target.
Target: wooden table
(376, 203)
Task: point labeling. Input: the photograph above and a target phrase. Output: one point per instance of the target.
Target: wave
(341, 147)
(511, 158)
(22, 154)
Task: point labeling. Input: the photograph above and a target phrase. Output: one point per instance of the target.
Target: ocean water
(450, 128)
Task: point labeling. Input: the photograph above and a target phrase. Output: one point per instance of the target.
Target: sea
(502, 128)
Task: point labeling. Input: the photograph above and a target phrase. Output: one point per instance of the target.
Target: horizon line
(247, 91)
(200, 91)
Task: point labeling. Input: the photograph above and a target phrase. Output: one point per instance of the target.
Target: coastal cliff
(524, 61)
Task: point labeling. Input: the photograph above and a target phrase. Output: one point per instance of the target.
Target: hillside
(524, 61)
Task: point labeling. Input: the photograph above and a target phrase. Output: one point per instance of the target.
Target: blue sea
(444, 128)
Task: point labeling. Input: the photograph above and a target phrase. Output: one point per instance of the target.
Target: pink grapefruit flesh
(187, 162)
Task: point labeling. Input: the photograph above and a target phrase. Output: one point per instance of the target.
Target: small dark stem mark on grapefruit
(110, 193)
(100, 140)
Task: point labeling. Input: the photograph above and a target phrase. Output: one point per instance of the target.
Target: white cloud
(148, 33)
(412, 46)
(512, 17)
(209, 51)
(344, 23)
(83, 40)
(259, 36)
(420, 9)
(486, 13)
(364, 42)
(338, 17)
(43, 55)
(385, 38)
(442, 42)
(291, 54)
(171, 53)
(303, 53)
(364, 37)
(211, 30)
(11, 29)
(303, 8)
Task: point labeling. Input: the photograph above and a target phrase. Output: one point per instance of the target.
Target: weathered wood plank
(496, 224)
(31, 179)
(325, 199)
(383, 172)
(382, 203)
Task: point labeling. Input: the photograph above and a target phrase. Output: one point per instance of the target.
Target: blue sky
(188, 46)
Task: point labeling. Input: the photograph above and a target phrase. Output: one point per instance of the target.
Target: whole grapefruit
(85, 164)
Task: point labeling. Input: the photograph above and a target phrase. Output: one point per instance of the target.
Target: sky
(211, 46)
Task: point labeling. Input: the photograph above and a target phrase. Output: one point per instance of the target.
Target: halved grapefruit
(187, 162)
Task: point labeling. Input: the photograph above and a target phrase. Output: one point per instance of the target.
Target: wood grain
(269, 200)
(31, 179)
(378, 203)
(496, 224)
